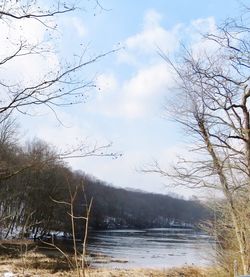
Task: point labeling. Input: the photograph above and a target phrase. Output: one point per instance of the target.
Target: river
(150, 248)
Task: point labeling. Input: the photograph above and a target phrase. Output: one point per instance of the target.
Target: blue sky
(133, 85)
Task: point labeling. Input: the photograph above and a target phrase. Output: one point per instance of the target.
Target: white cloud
(79, 26)
(143, 91)
(106, 82)
(142, 46)
(136, 97)
(152, 36)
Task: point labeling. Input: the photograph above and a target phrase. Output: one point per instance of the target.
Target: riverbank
(38, 265)
(173, 272)
(27, 259)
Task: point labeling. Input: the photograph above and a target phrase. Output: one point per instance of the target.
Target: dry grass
(174, 272)
(40, 265)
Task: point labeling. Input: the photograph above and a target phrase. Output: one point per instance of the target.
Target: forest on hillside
(39, 192)
(122, 208)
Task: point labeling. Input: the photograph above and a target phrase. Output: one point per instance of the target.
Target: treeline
(39, 192)
(121, 208)
(36, 186)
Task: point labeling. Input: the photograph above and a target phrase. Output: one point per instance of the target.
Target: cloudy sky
(133, 84)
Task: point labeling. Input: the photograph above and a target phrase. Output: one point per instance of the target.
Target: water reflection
(153, 248)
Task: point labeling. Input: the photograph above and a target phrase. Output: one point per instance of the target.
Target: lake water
(150, 248)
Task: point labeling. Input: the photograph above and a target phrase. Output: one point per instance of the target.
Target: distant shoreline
(191, 227)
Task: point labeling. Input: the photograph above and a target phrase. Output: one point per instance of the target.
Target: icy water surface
(151, 248)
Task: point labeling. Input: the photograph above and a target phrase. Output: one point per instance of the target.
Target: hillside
(122, 208)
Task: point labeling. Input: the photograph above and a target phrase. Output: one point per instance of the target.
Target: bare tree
(55, 88)
(65, 85)
(212, 103)
(79, 266)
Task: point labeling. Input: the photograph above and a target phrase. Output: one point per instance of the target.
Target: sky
(132, 84)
